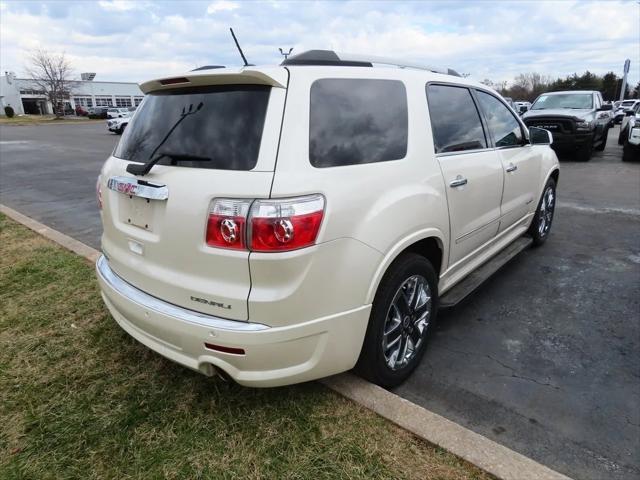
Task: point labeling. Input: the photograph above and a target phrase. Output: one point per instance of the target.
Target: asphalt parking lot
(544, 358)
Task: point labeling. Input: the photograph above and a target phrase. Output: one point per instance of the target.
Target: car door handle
(512, 168)
(458, 181)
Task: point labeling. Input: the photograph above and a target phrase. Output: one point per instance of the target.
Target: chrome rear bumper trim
(152, 303)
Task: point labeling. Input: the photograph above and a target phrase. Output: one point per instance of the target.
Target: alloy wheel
(406, 322)
(545, 214)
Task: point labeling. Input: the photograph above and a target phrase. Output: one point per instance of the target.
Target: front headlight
(584, 125)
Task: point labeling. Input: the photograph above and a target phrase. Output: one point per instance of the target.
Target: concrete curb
(67, 242)
(431, 427)
(472, 447)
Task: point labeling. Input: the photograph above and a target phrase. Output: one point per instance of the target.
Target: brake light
(226, 225)
(265, 225)
(174, 81)
(285, 224)
(99, 192)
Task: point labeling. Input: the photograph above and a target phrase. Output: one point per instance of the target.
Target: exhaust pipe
(221, 374)
(211, 370)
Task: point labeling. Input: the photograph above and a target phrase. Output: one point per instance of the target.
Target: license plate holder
(138, 212)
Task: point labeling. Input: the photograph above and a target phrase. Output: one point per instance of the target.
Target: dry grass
(81, 399)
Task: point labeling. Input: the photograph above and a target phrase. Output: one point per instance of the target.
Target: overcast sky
(139, 40)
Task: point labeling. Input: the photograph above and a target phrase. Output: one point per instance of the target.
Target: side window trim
(485, 129)
(525, 137)
(485, 123)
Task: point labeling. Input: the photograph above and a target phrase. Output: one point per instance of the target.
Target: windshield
(227, 128)
(627, 103)
(564, 100)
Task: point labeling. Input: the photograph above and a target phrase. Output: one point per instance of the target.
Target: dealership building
(25, 97)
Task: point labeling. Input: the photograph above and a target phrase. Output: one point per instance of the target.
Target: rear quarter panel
(385, 206)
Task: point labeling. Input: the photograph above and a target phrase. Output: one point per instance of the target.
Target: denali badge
(210, 302)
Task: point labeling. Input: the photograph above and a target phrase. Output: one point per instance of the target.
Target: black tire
(603, 142)
(628, 155)
(621, 136)
(373, 364)
(541, 233)
(121, 129)
(583, 154)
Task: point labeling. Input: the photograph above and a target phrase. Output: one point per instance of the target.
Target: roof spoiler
(218, 76)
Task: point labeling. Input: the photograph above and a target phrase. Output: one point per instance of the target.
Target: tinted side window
(454, 119)
(503, 125)
(354, 121)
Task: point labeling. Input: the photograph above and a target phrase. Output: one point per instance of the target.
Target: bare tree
(51, 73)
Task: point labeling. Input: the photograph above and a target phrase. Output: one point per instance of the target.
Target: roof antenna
(285, 55)
(244, 59)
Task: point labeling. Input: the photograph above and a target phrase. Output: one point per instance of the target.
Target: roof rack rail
(207, 67)
(329, 57)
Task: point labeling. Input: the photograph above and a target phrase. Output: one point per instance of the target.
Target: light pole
(285, 55)
(627, 63)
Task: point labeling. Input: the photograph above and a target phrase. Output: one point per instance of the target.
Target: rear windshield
(220, 123)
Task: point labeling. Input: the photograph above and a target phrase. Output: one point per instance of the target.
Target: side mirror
(606, 107)
(629, 113)
(540, 136)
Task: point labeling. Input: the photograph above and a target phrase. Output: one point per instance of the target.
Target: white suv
(118, 112)
(280, 224)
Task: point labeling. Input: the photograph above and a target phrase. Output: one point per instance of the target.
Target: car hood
(558, 112)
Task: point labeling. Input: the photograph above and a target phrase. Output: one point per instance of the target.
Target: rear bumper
(273, 355)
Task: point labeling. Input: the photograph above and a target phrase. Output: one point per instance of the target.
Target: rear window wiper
(153, 159)
(144, 168)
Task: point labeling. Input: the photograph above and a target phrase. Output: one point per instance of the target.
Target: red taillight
(289, 233)
(226, 226)
(271, 226)
(285, 224)
(99, 193)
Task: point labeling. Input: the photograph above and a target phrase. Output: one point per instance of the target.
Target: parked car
(114, 112)
(274, 242)
(622, 108)
(631, 144)
(81, 111)
(629, 136)
(630, 114)
(578, 120)
(98, 112)
(117, 125)
(611, 114)
(511, 103)
(523, 106)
